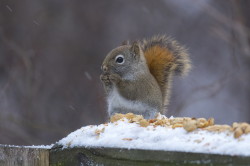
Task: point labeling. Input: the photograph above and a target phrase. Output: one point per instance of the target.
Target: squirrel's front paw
(105, 79)
(115, 78)
(109, 79)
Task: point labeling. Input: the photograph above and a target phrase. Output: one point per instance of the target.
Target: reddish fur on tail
(165, 58)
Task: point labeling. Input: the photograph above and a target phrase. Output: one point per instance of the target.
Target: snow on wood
(134, 132)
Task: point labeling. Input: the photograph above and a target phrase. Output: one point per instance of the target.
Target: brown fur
(165, 57)
(141, 84)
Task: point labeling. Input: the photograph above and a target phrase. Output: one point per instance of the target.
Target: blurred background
(51, 52)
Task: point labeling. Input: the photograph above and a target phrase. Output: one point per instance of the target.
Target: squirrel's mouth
(106, 72)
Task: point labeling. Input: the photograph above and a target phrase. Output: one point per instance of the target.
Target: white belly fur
(115, 100)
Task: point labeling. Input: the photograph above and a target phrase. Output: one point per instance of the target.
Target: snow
(40, 146)
(7, 6)
(32, 146)
(122, 134)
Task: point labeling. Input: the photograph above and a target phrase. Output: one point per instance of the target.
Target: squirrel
(137, 77)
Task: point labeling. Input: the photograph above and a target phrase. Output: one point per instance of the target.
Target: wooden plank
(23, 156)
(115, 156)
(57, 156)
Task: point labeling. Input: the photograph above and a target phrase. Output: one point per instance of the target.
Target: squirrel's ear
(135, 49)
(125, 42)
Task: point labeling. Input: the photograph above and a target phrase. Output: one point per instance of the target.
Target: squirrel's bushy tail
(165, 58)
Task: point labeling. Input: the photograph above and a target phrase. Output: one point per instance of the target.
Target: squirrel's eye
(119, 59)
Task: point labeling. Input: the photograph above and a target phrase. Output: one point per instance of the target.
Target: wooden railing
(82, 156)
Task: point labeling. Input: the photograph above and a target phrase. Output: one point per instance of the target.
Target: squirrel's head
(124, 60)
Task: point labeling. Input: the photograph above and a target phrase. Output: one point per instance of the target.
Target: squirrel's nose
(104, 68)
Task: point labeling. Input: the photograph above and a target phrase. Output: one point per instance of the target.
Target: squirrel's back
(165, 57)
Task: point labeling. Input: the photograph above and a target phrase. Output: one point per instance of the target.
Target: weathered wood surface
(23, 156)
(124, 157)
(57, 156)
